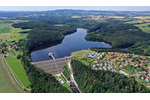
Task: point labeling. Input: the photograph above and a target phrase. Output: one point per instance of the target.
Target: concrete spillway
(53, 67)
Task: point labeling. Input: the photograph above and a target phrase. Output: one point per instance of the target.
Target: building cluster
(95, 18)
(116, 62)
(10, 46)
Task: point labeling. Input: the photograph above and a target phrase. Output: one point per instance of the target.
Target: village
(123, 63)
(10, 48)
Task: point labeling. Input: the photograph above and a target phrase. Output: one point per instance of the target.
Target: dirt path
(7, 83)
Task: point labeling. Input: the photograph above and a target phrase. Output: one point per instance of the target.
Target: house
(138, 70)
(98, 64)
(5, 51)
(5, 41)
(94, 66)
(60, 80)
(126, 64)
(8, 54)
(118, 63)
(108, 57)
(147, 79)
(144, 77)
(137, 75)
(100, 68)
(136, 56)
(121, 65)
(122, 59)
(15, 46)
(104, 68)
(92, 55)
(146, 68)
(113, 70)
(124, 73)
(109, 52)
(144, 72)
(143, 58)
(109, 68)
(142, 64)
(116, 66)
(149, 67)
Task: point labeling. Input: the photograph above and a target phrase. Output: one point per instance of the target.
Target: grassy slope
(7, 83)
(142, 23)
(137, 21)
(66, 72)
(5, 28)
(11, 33)
(83, 54)
(146, 29)
(16, 66)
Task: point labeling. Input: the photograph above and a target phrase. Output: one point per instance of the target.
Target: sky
(45, 8)
(44, 5)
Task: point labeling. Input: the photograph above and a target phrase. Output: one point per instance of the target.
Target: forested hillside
(91, 81)
(44, 33)
(117, 33)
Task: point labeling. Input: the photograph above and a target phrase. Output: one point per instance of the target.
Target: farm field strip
(8, 85)
(16, 66)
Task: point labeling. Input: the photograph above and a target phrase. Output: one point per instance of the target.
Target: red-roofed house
(116, 66)
(118, 63)
(143, 58)
(142, 64)
(122, 59)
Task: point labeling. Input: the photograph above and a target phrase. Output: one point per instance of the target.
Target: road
(74, 88)
(73, 84)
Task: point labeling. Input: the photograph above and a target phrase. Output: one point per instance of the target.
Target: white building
(60, 80)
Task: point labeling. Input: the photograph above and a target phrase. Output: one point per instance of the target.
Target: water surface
(70, 43)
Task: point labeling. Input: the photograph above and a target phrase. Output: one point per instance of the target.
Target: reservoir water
(70, 43)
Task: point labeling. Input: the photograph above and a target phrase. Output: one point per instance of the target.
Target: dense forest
(118, 34)
(44, 33)
(142, 48)
(91, 81)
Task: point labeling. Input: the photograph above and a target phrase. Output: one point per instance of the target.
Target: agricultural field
(142, 24)
(17, 67)
(144, 27)
(76, 17)
(138, 21)
(7, 83)
(142, 17)
(5, 28)
(14, 34)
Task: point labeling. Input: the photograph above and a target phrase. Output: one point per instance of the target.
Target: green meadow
(17, 67)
